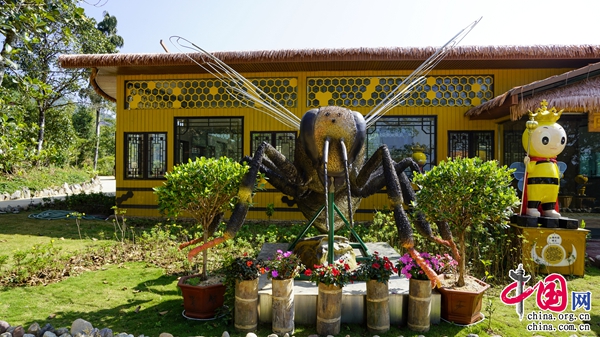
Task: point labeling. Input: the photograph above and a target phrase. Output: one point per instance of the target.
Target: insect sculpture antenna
(398, 95)
(237, 85)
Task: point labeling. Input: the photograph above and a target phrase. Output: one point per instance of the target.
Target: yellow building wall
(137, 197)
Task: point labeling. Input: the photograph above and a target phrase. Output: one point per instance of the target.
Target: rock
(43, 330)
(66, 335)
(49, 334)
(18, 332)
(4, 326)
(225, 334)
(81, 326)
(6, 334)
(26, 193)
(472, 335)
(34, 329)
(16, 195)
(273, 335)
(61, 331)
(251, 334)
(286, 335)
(106, 332)
(29, 335)
(166, 334)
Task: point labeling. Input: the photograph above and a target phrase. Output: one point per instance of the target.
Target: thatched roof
(471, 53)
(349, 59)
(573, 91)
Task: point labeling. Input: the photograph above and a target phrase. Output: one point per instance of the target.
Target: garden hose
(57, 214)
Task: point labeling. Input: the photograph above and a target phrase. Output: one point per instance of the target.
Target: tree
(66, 30)
(465, 194)
(204, 189)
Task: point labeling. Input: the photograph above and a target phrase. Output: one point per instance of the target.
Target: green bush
(469, 195)
(203, 189)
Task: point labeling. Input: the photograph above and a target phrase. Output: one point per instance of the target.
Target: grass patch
(144, 275)
(39, 178)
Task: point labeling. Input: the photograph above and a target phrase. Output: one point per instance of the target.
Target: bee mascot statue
(543, 139)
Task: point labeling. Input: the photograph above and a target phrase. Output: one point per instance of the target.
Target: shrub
(466, 194)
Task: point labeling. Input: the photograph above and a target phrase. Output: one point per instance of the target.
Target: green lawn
(110, 297)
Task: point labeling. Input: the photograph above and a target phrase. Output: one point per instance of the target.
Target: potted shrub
(243, 273)
(330, 279)
(462, 196)
(282, 269)
(376, 271)
(203, 189)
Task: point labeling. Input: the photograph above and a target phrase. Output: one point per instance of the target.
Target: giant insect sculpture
(329, 156)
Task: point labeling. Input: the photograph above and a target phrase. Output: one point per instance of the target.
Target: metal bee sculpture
(329, 156)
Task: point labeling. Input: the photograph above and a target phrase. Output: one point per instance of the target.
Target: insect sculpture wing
(519, 173)
(252, 96)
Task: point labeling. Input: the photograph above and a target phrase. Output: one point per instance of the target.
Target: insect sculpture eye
(545, 140)
(563, 140)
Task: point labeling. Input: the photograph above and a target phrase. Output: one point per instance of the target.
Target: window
(403, 135)
(284, 142)
(145, 155)
(470, 144)
(208, 137)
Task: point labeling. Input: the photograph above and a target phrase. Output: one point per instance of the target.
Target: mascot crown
(545, 116)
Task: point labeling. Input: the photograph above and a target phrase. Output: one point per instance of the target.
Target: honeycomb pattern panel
(436, 91)
(203, 93)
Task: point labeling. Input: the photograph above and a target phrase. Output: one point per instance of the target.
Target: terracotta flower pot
(201, 301)
(462, 307)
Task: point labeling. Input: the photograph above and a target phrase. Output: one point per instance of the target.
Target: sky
(243, 25)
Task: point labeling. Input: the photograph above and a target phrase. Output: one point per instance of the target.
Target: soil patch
(471, 283)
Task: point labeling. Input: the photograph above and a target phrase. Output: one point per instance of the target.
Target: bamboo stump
(419, 305)
(246, 305)
(378, 308)
(329, 309)
(283, 307)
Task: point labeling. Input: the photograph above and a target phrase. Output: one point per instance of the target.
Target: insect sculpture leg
(381, 171)
(274, 165)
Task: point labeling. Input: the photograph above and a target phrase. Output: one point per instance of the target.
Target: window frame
(426, 121)
(177, 140)
(470, 143)
(273, 141)
(144, 154)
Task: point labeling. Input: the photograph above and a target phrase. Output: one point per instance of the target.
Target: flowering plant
(284, 266)
(376, 267)
(337, 273)
(446, 264)
(440, 264)
(244, 268)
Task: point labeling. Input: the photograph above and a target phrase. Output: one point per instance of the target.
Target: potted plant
(282, 269)
(462, 196)
(330, 279)
(419, 287)
(376, 271)
(243, 273)
(203, 189)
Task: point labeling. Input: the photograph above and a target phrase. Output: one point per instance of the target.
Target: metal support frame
(331, 220)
